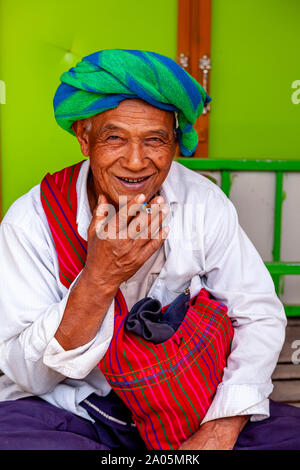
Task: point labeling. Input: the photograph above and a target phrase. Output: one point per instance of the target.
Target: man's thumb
(101, 209)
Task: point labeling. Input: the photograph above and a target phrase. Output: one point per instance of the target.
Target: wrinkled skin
(133, 140)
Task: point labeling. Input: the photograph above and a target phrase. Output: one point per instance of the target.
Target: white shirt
(216, 255)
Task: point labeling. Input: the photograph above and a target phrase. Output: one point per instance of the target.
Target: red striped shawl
(169, 386)
(59, 201)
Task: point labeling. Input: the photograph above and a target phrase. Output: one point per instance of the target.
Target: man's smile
(133, 183)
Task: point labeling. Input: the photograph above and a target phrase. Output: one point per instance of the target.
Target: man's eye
(114, 138)
(155, 140)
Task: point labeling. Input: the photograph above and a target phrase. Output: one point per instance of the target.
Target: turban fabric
(103, 79)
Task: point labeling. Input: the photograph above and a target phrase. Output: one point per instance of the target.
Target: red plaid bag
(169, 386)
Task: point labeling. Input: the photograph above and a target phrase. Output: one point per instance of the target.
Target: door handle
(204, 66)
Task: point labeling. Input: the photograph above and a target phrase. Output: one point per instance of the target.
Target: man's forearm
(218, 434)
(87, 305)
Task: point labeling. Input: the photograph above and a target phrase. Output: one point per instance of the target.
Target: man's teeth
(132, 180)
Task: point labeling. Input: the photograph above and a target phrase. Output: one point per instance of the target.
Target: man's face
(134, 141)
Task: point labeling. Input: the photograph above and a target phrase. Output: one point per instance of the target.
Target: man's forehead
(154, 129)
(126, 117)
(135, 106)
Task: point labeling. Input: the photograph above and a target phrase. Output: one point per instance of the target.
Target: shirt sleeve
(236, 275)
(31, 309)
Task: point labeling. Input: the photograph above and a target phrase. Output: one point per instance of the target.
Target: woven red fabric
(169, 386)
(59, 201)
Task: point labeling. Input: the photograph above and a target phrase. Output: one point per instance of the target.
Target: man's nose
(135, 158)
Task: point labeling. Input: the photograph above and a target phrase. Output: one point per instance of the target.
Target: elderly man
(128, 110)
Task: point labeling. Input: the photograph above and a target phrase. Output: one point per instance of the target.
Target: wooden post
(193, 48)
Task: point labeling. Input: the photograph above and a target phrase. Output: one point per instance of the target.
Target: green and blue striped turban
(103, 79)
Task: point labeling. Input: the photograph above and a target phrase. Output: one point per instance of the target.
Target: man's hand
(113, 257)
(119, 245)
(218, 434)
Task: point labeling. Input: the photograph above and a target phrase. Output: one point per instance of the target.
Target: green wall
(39, 40)
(255, 60)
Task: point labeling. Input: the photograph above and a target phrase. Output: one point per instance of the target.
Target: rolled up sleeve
(31, 309)
(78, 363)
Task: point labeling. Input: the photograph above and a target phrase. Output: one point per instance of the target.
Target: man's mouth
(134, 183)
(134, 180)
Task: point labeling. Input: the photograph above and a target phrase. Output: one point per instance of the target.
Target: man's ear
(80, 129)
(176, 142)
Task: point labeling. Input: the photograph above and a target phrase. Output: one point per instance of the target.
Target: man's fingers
(102, 207)
(132, 210)
(146, 225)
(103, 212)
(154, 243)
(128, 211)
(113, 225)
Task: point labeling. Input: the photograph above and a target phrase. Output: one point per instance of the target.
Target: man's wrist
(85, 310)
(234, 422)
(226, 430)
(96, 285)
(218, 434)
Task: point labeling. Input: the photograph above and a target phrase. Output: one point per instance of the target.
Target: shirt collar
(167, 190)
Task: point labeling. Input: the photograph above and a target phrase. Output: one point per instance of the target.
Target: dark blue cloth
(33, 424)
(113, 422)
(281, 431)
(146, 319)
